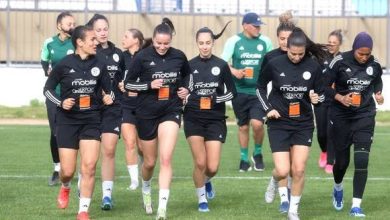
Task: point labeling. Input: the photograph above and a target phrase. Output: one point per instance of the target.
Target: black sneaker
(258, 164)
(54, 179)
(245, 166)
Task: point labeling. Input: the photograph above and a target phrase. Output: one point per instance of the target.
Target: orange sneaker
(322, 160)
(329, 169)
(83, 216)
(63, 198)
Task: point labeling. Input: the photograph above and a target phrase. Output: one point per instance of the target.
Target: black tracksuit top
(272, 54)
(209, 77)
(113, 59)
(78, 78)
(350, 76)
(291, 84)
(147, 66)
(128, 102)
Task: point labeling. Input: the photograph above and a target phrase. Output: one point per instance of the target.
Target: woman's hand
(182, 93)
(314, 98)
(156, 84)
(273, 114)
(379, 98)
(121, 86)
(346, 100)
(68, 103)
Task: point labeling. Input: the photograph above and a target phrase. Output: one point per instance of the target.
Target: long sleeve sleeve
(261, 91)
(133, 73)
(230, 91)
(52, 81)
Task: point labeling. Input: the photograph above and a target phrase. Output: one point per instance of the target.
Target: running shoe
(147, 199)
(322, 160)
(292, 216)
(133, 186)
(258, 164)
(210, 193)
(107, 204)
(161, 214)
(63, 198)
(357, 212)
(338, 202)
(203, 207)
(54, 179)
(329, 169)
(245, 166)
(83, 216)
(283, 207)
(270, 192)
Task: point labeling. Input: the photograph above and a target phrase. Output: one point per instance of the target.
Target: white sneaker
(271, 192)
(292, 216)
(147, 198)
(161, 214)
(133, 186)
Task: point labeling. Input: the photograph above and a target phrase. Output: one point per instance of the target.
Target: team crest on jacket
(369, 71)
(115, 57)
(95, 71)
(306, 75)
(215, 71)
(260, 47)
(70, 51)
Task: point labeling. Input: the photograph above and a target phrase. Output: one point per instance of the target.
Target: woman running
(326, 159)
(160, 75)
(112, 57)
(204, 113)
(357, 77)
(81, 77)
(289, 112)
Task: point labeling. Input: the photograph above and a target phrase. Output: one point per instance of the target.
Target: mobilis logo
(293, 88)
(80, 82)
(250, 56)
(356, 81)
(206, 85)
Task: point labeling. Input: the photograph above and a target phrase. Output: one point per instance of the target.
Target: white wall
(18, 86)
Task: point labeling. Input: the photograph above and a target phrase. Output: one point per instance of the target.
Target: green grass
(25, 167)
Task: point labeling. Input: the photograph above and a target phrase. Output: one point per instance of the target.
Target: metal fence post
(388, 39)
(8, 32)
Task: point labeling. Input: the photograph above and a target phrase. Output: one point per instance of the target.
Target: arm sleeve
(186, 75)
(319, 85)
(50, 85)
(230, 91)
(378, 83)
(133, 73)
(228, 49)
(261, 91)
(330, 77)
(106, 83)
(45, 56)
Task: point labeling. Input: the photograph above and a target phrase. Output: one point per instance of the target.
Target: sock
(163, 198)
(257, 150)
(338, 186)
(79, 180)
(84, 204)
(294, 203)
(201, 192)
(147, 186)
(283, 194)
(107, 188)
(356, 202)
(274, 182)
(57, 167)
(133, 172)
(244, 154)
(66, 185)
(208, 179)
(289, 181)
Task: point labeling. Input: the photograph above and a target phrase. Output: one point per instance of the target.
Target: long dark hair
(300, 39)
(166, 27)
(79, 33)
(208, 30)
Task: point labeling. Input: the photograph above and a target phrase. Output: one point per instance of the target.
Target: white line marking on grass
(217, 177)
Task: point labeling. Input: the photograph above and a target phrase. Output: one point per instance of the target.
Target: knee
(66, 173)
(165, 161)
(361, 158)
(149, 164)
(244, 128)
(257, 125)
(212, 171)
(200, 164)
(88, 169)
(109, 153)
(298, 173)
(282, 173)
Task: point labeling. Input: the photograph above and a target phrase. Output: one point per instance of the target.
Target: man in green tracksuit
(246, 51)
(53, 50)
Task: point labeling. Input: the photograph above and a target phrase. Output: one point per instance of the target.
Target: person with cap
(246, 51)
(357, 77)
(53, 50)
